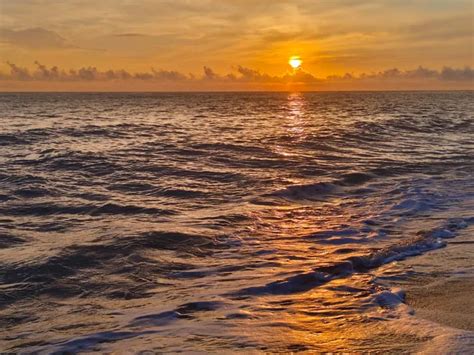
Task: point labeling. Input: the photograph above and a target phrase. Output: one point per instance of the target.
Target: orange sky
(178, 38)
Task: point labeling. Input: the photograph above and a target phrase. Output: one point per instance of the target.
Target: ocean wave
(425, 241)
(8, 240)
(74, 271)
(33, 192)
(49, 208)
(322, 189)
(302, 192)
(12, 139)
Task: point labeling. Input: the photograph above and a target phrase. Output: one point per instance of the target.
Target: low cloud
(446, 74)
(239, 75)
(451, 74)
(44, 73)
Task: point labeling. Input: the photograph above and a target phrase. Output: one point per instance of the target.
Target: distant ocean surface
(216, 222)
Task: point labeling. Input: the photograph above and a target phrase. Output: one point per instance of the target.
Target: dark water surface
(225, 222)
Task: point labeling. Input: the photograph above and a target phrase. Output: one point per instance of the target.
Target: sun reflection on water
(296, 107)
(294, 122)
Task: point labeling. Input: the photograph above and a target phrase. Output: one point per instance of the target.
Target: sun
(295, 62)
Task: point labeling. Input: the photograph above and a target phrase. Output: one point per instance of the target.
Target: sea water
(225, 222)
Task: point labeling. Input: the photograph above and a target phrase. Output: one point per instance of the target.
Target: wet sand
(448, 302)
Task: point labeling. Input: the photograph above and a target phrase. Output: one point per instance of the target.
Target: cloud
(166, 75)
(129, 35)
(16, 73)
(43, 73)
(240, 75)
(444, 29)
(210, 74)
(446, 74)
(450, 74)
(350, 35)
(34, 38)
(248, 74)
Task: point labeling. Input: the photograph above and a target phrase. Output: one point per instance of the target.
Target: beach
(447, 302)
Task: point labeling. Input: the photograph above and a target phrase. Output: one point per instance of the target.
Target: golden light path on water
(327, 316)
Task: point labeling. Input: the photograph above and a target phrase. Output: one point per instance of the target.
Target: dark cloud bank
(246, 78)
(240, 74)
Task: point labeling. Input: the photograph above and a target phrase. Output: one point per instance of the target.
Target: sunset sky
(237, 44)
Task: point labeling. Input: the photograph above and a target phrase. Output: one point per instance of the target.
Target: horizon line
(222, 91)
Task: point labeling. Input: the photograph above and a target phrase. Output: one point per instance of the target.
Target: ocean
(233, 222)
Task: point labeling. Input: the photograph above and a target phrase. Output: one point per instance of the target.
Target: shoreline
(443, 283)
